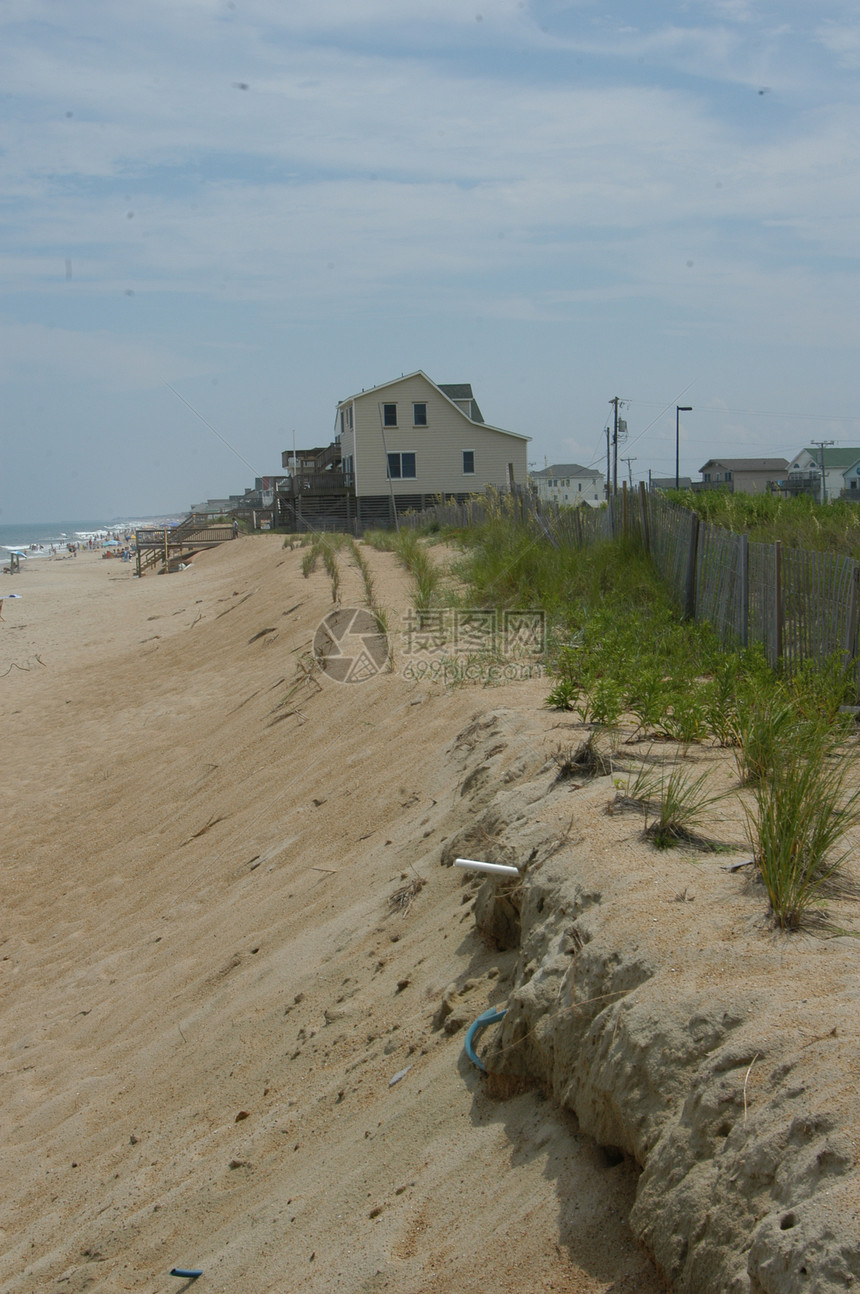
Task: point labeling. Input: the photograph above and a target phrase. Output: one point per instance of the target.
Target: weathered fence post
(646, 520)
(850, 644)
(691, 567)
(777, 599)
(744, 589)
(624, 509)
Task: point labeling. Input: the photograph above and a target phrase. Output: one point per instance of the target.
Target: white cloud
(843, 40)
(400, 165)
(35, 352)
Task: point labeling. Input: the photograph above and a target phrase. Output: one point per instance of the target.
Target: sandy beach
(210, 984)
(238, 968)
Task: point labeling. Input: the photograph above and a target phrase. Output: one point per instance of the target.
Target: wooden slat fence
(800, 605)
(819, 605)
(718, 583)
(670, 543)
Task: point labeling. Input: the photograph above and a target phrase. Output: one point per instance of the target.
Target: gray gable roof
(567, 470)
(462, 391)
(747, 464)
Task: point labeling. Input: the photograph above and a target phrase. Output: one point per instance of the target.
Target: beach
(221, 1042)
(238, 969)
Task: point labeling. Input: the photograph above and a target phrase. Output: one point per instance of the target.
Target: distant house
(742, 475)
(851, 481)
(213, 507)
(400, 445)
(668, 483)
(569, 484)
(804, 474)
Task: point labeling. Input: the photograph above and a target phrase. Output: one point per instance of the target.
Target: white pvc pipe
(500, 869)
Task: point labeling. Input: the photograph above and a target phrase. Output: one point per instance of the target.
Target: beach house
(398, 446)
(569, 484)
(820, 471)
(742, 475)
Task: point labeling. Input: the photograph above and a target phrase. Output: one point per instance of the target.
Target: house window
(401, 467)
(419, 415)
(728, 476)
(468, 462)
(389, 415)
(579, 487)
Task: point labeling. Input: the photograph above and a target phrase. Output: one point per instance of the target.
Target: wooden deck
(169, 546)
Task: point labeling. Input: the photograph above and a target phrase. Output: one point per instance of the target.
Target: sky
(221, 217)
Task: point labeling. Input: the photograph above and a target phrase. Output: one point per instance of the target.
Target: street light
(679, 408)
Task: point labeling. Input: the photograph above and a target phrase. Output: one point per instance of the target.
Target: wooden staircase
(163, 550)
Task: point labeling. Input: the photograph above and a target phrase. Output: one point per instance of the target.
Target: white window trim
(400, 453)
(462, 460)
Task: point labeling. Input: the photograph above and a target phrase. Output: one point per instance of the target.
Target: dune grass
(799, 523)
(415, 556)
(622, 655)
(797, 822)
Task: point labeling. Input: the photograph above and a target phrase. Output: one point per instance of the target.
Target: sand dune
(206, 988)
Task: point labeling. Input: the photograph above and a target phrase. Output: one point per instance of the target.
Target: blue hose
(191, 1272)
(488, 1017)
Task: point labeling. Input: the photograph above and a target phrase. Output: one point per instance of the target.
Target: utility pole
(822, 444)
(615, 401)
(630, 462)
(606, 488)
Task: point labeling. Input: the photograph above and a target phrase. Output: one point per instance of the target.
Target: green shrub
(678, 808)
(799, 815)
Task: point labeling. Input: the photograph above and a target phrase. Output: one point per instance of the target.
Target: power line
(214, 430)
(762, 413)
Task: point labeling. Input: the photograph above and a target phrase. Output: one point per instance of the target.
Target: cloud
(35, 352)
(841, 39)
(557, 169)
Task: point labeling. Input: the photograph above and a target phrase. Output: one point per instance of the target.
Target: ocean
(61, 533)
